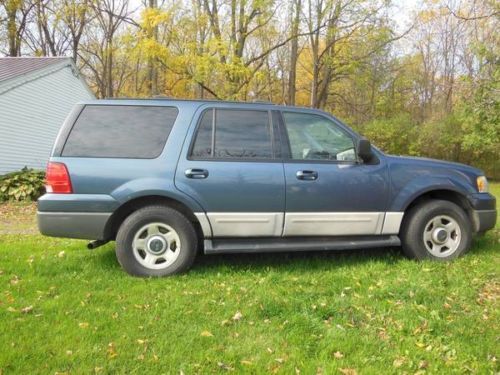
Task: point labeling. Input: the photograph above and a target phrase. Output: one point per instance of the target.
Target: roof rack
(163, 97)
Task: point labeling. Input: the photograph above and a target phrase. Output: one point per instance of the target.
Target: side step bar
(264, 245)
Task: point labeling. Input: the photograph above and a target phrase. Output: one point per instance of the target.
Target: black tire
(417, 221)
(163, 215)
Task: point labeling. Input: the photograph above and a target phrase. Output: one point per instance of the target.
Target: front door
(329, 192)
(233, 170)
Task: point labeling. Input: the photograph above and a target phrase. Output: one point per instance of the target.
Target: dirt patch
(18, 218)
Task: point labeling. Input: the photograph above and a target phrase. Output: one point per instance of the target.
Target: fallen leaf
(112, 350)
(423, 364)
(83, 325)
(61, 254)
(398, 362)
(237, 316)
(245, 362)
(206, 334)
(223, 366)
(338, 355)
(348, 371)
(27, 309)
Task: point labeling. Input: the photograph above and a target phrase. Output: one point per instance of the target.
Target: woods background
(425, 85)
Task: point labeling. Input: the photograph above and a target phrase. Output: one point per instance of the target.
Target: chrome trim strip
(204, 223)
(392, 222)
(276, 224)
(246, 224)
(332, 223)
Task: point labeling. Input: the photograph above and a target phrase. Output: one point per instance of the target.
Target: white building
(36, 94)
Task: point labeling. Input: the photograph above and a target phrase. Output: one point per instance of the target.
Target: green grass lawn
(68, 310)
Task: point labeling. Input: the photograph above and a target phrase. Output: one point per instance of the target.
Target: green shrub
(25, 185)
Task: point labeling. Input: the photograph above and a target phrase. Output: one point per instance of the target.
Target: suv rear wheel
(156, 241)
(437, 229)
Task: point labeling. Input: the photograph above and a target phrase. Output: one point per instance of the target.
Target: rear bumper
(83, 225)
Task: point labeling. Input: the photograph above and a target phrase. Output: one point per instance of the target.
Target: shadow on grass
(314, 260)
(104, 258)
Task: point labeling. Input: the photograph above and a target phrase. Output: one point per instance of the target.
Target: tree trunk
(12, 30)
(292, 76)
(152, 68)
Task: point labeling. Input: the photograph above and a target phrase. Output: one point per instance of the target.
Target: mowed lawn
(64, 309)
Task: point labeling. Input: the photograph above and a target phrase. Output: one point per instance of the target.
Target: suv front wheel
(438, 230)
(156, 241)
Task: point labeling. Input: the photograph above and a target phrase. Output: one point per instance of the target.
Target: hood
(427, 162)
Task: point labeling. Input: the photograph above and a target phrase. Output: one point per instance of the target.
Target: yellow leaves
(246, 363)
(206, 334)
(61, 254)
(83, 325)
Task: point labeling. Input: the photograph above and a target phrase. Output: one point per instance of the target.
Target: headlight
(482, 184)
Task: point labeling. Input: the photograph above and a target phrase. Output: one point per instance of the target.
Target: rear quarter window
(138, 132)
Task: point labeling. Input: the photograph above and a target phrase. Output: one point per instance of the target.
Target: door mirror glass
(364, 149)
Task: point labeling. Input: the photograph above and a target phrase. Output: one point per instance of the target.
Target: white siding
(31, 115)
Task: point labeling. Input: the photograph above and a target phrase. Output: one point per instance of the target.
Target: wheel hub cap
(156, 245)
(440, 235)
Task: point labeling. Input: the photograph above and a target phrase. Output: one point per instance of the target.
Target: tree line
(429, 86)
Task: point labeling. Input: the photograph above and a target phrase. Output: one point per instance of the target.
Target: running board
(269, 245)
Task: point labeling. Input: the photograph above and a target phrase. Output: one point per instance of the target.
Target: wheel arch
(445, 194)
(132, 205)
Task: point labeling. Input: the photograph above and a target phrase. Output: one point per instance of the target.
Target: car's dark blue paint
(391, 184)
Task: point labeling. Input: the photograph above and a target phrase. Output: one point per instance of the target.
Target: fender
(423, 184)
(144, 187)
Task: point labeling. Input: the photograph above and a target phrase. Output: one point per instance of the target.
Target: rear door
(329, 192)
(231, 165)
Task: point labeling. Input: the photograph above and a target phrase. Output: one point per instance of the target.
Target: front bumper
(83, 225)
(484, 213)
(484, 220)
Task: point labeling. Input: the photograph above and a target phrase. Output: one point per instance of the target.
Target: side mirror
(364, 149)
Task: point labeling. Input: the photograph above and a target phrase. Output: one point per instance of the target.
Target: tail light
(57, 179)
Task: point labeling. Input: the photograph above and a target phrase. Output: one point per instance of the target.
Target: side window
(203, 144)
(233, 134)
(106, 131)
(314, 137)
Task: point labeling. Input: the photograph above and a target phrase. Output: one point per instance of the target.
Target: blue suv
(164, 178)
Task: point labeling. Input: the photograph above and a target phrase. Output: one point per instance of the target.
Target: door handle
(307, 175)
(196, 173)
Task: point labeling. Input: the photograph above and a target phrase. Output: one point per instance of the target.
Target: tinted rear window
(120, 132)
(239, 134)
